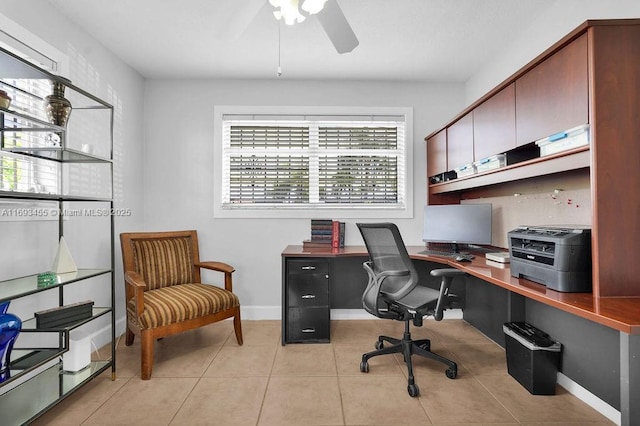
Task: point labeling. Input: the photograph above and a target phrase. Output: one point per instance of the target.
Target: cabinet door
(553, 96)
(494, 124)
(437, 154)
(460, 142)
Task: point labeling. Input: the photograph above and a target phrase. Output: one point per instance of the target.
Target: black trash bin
(532, 357)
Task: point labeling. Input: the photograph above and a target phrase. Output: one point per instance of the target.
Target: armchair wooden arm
(220, 267)
(135, 288)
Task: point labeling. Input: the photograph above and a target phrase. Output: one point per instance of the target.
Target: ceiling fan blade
(240, 19)
(337, 27)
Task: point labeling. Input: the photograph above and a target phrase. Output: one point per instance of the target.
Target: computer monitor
(457, 224)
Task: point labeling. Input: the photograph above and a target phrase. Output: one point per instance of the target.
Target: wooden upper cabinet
(460, 142)
(494, 124)
(437, 153)
(553, 96)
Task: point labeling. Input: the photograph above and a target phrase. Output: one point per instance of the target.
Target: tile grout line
(266, 388)
(335, 364)
(197, 381)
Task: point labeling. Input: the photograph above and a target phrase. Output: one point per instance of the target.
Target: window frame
(300, 113)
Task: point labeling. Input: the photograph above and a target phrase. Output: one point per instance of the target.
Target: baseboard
(261, 312)
(590, 399)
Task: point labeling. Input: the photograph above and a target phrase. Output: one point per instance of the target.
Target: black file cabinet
(305, 305)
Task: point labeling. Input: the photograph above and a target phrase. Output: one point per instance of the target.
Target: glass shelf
(30, 324)
(28, 123)
(63, 155)
(45, 196)
(24, 361)
(33, 397)
(19, 287)
(14, 67)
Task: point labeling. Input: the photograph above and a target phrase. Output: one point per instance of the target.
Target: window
(315, 161)
(19, 172)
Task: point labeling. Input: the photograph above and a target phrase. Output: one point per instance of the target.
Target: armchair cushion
(164, 262)
(169, 305)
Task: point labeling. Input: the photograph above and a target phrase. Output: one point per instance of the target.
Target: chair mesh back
(387, 252)
(164, 262)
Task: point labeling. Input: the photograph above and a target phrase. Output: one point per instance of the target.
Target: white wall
(556, 22)
(179, 165)
(30, 247)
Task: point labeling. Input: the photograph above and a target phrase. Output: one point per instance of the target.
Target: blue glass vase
(10, 326)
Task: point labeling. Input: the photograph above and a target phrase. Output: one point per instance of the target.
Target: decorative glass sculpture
(10, 326)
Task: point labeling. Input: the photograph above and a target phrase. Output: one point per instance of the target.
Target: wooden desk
(621, 314)
(601, 354)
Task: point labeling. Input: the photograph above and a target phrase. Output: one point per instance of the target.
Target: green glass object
(45, 279)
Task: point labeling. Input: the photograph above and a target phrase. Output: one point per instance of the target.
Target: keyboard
(447, 254)
(440, 253)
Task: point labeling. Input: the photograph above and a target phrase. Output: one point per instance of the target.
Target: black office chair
(393, 292)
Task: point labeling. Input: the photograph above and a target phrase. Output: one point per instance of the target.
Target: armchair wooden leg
(129, 336)
(146, 355)
(237, 326)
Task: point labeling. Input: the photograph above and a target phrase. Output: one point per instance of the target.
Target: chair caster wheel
(379, 345)
(413, 390)
(451, 372)
(364, 367)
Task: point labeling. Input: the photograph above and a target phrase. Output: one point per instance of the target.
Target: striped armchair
(164, 294)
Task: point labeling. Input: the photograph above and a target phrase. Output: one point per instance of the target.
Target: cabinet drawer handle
(308, 296)
(308, 330)
(308, 268)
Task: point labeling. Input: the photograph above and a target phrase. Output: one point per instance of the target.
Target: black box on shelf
(64, 315)
(532, 357)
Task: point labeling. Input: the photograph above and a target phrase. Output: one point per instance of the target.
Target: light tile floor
(203, 377)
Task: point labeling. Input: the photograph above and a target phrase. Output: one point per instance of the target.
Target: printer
(556, 256)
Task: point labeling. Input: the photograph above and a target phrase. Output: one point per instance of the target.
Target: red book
(335, 234)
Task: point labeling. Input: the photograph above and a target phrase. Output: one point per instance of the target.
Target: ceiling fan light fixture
(313, 6)
(288, 10)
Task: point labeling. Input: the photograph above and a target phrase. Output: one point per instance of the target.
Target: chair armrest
(216, 266)
(450, 272)
(370, 299)
(220, 267)
(135, 288)
(447, 275)
(397, 273)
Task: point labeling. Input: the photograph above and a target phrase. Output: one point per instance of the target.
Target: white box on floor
(79, 354)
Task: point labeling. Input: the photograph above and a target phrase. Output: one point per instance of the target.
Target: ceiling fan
(328, 13)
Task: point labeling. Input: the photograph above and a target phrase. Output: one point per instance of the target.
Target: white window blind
(316, 162)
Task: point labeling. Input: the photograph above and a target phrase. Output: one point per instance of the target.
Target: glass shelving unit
(56, 164)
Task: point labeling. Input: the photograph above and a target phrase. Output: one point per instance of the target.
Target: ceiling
(424, 40)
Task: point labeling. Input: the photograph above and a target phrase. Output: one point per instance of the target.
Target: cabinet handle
(308, 330)
(308, 268)
(308, 296)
